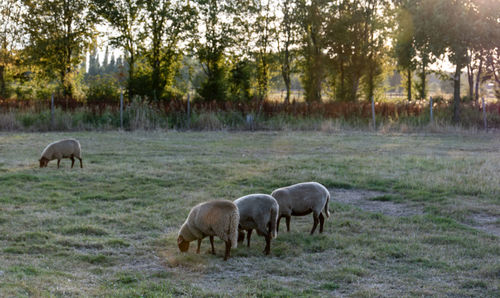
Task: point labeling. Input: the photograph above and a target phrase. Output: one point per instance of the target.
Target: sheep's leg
(199, 245)
(212, 244)
(316, 220)
(72, 161)
(278, 223)
(288, 217)
(249, 234)
(58, 161)
(81, 164)
(321, 222)
(228, 250)
(241, 236)
(267, 250)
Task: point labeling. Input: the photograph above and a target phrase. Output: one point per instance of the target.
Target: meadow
(411, 214)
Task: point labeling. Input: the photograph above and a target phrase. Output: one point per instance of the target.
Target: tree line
(232, 49)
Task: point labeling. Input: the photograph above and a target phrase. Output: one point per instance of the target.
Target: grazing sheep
(301, 199)
(215, 218)
(259, 212)
(69, 148)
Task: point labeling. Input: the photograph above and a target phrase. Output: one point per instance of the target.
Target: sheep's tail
(234, 221)
(274, 219)
(327, 213)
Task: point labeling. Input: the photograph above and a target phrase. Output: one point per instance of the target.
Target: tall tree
(264, 33)
(311, 19)
(452, 34)
(404, 48)
(286, 41)
(126, 17)
(377, 20)
(217, 36)
(10, 37)
(168, 23)
(59, 32)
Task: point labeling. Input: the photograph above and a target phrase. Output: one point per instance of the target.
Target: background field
(412, 214)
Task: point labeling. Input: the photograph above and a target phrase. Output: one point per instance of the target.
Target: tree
(264, 32)
(10, 37)
(217, 37)
(286, 40)
(311, 19)
(404, 48)
(94, 64)
(127, 19)
(485, 39)
(59, 33)
(377, 20)
(168, 23)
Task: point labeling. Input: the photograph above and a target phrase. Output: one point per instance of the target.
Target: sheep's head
(43, 162)
(183, 244)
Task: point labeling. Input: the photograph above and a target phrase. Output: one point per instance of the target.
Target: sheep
(68, 148)
(259, 212)
(215, 218)
(301, 199)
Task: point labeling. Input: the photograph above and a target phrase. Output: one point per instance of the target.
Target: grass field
(411, 215)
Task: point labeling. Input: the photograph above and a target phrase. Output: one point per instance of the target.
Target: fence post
(373, 113)
(121, 108)
(188, 111)
(432, 115)
(484, 116)
(52, 111)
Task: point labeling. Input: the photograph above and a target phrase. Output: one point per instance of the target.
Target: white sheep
(259, 212)
(215, 218)
(301, 199)
(68, 148)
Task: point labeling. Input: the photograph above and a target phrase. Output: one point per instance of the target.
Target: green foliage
(103, 88)
(58, 46)
(240, 81)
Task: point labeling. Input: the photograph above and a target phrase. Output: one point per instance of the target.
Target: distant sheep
(215, 218)
(259, 212)
(69, 148)
(301, 199)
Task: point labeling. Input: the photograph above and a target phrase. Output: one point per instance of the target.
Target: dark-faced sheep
(301, 199)
(259, 212)
(69, 148)
(215, 218)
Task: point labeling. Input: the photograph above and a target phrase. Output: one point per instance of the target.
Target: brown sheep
(68, 148)
(214, 218)
(301, 199)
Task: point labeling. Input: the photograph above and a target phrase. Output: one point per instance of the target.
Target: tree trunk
(478, 79)
(423, 80)
(409, 84)
(470, 76)
(286, 79)
(131, 76)
(3, 92)
(342, 81)
(456, 94)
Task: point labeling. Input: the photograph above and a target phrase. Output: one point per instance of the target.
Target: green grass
(110, 228)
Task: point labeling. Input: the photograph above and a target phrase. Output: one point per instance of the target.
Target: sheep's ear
(180, 239)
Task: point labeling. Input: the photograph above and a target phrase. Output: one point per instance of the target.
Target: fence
(346, 110)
